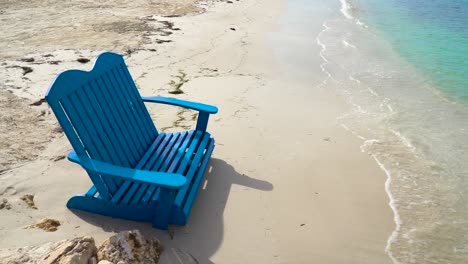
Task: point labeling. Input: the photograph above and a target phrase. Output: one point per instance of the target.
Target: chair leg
(162, 213)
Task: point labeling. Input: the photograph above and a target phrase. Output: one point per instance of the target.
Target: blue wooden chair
(137, 172)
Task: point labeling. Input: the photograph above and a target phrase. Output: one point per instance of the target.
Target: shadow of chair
(203, 234)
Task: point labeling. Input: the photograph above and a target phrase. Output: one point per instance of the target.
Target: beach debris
(27, 59)
(327, 139)
(160, 41)
(302, 224)
(82, 60)
(233, 29)
(26, 70)
(46, 224)
(171, 233)
(38, 102)
(229, 2)
(57, 129)
(76, 250)
(178, 84)
(5, 204)
(130, 247)
(29, 200)
(55, 62)
(60, 157)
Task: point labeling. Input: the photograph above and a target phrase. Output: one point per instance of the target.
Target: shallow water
(415, 129)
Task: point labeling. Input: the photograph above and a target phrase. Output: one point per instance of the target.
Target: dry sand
(286, 184)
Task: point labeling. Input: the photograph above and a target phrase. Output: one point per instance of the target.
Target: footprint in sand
(5, 204)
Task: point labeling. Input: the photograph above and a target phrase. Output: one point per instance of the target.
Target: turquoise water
(400, 65)
(432, 35)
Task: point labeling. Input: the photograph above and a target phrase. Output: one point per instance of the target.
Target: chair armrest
(182, 103)
(163, 179)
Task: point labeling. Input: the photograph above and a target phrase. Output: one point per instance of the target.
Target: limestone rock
(130, 247)
(74, 251)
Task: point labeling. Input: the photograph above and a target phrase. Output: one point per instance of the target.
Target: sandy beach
(286, 183)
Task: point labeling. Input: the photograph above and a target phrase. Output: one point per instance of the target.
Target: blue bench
(138, 173)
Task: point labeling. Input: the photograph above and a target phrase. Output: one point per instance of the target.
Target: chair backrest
(102, 113)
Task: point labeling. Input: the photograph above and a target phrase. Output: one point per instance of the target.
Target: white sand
(286, 183)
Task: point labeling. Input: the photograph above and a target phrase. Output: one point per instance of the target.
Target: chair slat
(131, 106)
(136, 199)
(185, 136)
(98, 134)
(135, 92)
(127, 113)
(85, 135)
(149, 153)
(180, 151)
(181, 194)
(184, 156)
(198, 179)
(135, 101)
(128, 196)
(115, 131)
(93, 122)
(190, 151)
(158, 152)
(149, 163)
(115, 111)
(91, 192)
(129, 128)
(162, 156)
(121, 191)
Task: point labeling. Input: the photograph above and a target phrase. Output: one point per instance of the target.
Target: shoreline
(274, 193)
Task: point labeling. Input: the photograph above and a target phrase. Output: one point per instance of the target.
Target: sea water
(403, 67)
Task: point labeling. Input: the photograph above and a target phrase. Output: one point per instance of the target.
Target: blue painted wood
(91, 192)
(123, 188)
(162, 156)
(123, 109)
(193, 166)
(134, 212)
(190, 199)
(159, 150)
(172, 166)
(137, 173)
(123, 144)
(107, 170)
(139, 195)
(141, 105)
(202, 121)
(182, 103)
(163, 209)
(150, 152)
(179, 147)
(126, 136)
